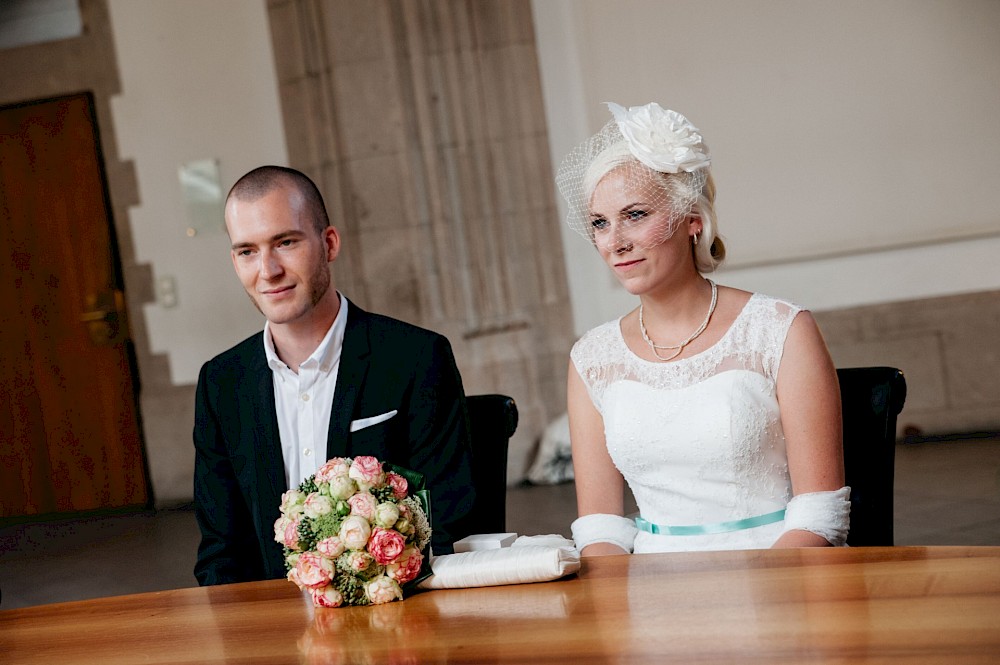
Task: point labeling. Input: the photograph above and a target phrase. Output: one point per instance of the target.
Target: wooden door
(69, 433)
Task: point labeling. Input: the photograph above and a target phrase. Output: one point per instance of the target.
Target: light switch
(166, 291)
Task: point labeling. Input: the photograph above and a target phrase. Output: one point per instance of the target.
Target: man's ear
(331, 240)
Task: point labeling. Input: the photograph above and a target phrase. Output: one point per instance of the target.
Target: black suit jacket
(239, 474)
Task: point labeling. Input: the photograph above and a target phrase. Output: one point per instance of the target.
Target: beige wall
(197, 82)
(855, 142)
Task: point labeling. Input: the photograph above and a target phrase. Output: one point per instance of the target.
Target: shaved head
(264, 179)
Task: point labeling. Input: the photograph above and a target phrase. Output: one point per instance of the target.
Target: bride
(719, 407)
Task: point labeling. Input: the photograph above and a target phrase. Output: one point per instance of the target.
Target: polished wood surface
(906, 605)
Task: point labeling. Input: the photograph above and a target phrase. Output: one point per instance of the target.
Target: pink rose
(386, 545)
(293, 576)
(290, 533)
(383, 590)
(327, 596)
(363, 504)
(314, 571)
(367, 471)
(406, 567)
(398, 484)
(354, 532)
(331, 547)
(317, 505)
(338, 467)
(279, 529)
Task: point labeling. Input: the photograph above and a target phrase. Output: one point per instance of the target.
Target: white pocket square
(362, 423)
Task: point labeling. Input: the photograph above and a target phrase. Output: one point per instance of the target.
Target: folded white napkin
(548, 540)
(517, 564)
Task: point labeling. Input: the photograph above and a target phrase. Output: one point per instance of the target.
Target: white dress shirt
(304, 401)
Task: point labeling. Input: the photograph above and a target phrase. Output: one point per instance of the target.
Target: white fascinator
(657, 156)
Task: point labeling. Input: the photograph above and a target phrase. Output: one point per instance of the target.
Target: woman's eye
(635, 214)
(599, 223)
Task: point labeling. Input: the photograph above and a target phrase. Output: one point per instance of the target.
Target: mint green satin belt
(717, 527)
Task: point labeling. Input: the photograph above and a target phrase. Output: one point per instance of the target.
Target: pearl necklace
(679, 347)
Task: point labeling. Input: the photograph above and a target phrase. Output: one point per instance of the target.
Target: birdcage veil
(654, 157)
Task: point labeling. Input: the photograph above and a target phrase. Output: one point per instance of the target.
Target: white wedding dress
(698, 440)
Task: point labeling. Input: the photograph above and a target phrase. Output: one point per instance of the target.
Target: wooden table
(906, 605)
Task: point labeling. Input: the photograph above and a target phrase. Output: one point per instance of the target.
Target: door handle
(105, 318)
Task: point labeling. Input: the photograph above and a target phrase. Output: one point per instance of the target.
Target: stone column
(422, 122)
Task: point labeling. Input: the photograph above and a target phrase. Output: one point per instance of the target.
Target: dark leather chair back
(493, 420)
(871, 398)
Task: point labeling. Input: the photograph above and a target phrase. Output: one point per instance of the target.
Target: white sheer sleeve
(827, 514)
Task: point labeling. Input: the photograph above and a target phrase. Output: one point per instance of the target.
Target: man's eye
(599, 223)
(243, 252)
(287, 242)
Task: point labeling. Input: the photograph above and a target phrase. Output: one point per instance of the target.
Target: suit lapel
(264, 437)
(354, 361)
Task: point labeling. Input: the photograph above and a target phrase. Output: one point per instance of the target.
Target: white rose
(291, 503)
(386, 514)
(354, 532)
(383, 589)
(342, 487)
(661, 139)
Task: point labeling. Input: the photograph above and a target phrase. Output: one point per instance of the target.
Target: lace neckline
(744, 312)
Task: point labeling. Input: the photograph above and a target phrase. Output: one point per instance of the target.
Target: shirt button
(305, 397)
(307, 452)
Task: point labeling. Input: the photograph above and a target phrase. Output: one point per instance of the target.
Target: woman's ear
(695, 227)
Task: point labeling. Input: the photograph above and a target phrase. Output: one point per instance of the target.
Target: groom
(325, 379)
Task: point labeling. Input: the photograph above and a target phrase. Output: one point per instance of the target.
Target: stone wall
(948, 349)
(423, 124)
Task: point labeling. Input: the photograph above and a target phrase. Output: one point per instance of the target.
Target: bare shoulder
(805, 349)
(730, 297)
(730, 305)
(805, 330)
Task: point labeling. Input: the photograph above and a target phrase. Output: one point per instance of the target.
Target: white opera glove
(827, 514)
(604, 528)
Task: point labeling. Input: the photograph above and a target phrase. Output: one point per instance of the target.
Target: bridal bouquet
(355, 532)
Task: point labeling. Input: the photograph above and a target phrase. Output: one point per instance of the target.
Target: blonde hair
(710, 251)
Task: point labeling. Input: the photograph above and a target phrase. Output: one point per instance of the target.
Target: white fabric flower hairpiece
(663, 140)
(656, 156)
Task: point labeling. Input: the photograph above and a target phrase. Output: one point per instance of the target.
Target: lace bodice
(698, 440)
